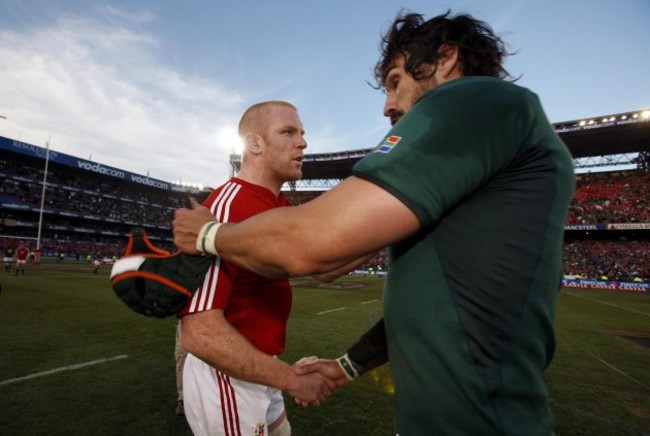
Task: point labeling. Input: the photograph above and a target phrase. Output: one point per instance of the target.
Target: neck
(260, 178)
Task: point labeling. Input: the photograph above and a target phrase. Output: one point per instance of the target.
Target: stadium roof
(605, 135)
(611, 134)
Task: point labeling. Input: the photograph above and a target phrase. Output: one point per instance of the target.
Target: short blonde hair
(254, 118)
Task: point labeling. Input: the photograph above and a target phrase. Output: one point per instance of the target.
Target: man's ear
(447, 64)
(252, 143)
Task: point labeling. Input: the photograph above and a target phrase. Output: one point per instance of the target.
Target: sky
(157, 86)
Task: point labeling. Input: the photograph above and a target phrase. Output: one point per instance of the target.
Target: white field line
(333, 310)
(64, 368)
(608, 304)
(615, 368)
(343, 308)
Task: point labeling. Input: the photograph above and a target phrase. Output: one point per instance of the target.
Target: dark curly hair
(480, 51)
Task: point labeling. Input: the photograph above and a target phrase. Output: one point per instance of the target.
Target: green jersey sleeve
(456, 138)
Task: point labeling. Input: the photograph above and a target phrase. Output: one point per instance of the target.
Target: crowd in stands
(86, 196)
(621, 260)
(618, 197)
(93, 207)
(106, 211)
(609, 197)
(377, 263)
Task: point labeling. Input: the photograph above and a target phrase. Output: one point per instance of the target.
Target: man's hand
(310, 388)
(328, 369)
(187, 224)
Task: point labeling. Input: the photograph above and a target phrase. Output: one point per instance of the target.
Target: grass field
(76, 361)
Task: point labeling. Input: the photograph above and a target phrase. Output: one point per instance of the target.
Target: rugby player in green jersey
(469, 191)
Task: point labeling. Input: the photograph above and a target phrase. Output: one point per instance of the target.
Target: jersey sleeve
(453, 140)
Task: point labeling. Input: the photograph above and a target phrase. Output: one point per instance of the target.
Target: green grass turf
(61, 315)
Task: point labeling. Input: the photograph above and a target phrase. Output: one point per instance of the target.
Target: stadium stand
(89, 208)
(615, 206)
(611, 197)
(619, 260)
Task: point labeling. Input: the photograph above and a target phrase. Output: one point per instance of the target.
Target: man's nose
(390, 105)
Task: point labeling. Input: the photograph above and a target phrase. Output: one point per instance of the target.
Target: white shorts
(20, 262)
(8, 259)
(217, 404)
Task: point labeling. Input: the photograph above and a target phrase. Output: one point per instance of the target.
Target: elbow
(301, 266)
(325, 278)
(302, 259)
(190, 342)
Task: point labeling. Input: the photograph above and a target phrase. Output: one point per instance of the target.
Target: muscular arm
(332, 275)
(211, 338)
(353, 220)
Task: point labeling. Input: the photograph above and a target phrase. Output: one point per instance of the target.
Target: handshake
(317, 378)
(311, 379)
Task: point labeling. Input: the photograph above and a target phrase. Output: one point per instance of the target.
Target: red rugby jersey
(22, 253)
(258, 307)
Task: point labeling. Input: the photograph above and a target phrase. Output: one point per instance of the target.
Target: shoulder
(476, 88)
(225, 194)
(236, 200)
(483, 102)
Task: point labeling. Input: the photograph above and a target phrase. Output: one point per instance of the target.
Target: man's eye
(391, 86)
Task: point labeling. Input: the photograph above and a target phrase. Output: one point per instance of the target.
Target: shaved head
(255, 118)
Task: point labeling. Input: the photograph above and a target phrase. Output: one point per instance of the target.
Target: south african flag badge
(388, 144)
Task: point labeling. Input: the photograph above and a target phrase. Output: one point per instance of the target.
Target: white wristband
(205, 240)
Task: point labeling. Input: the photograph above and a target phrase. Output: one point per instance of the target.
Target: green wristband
(350, 368)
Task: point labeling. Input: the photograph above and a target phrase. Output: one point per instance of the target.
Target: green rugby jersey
(469, 302)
